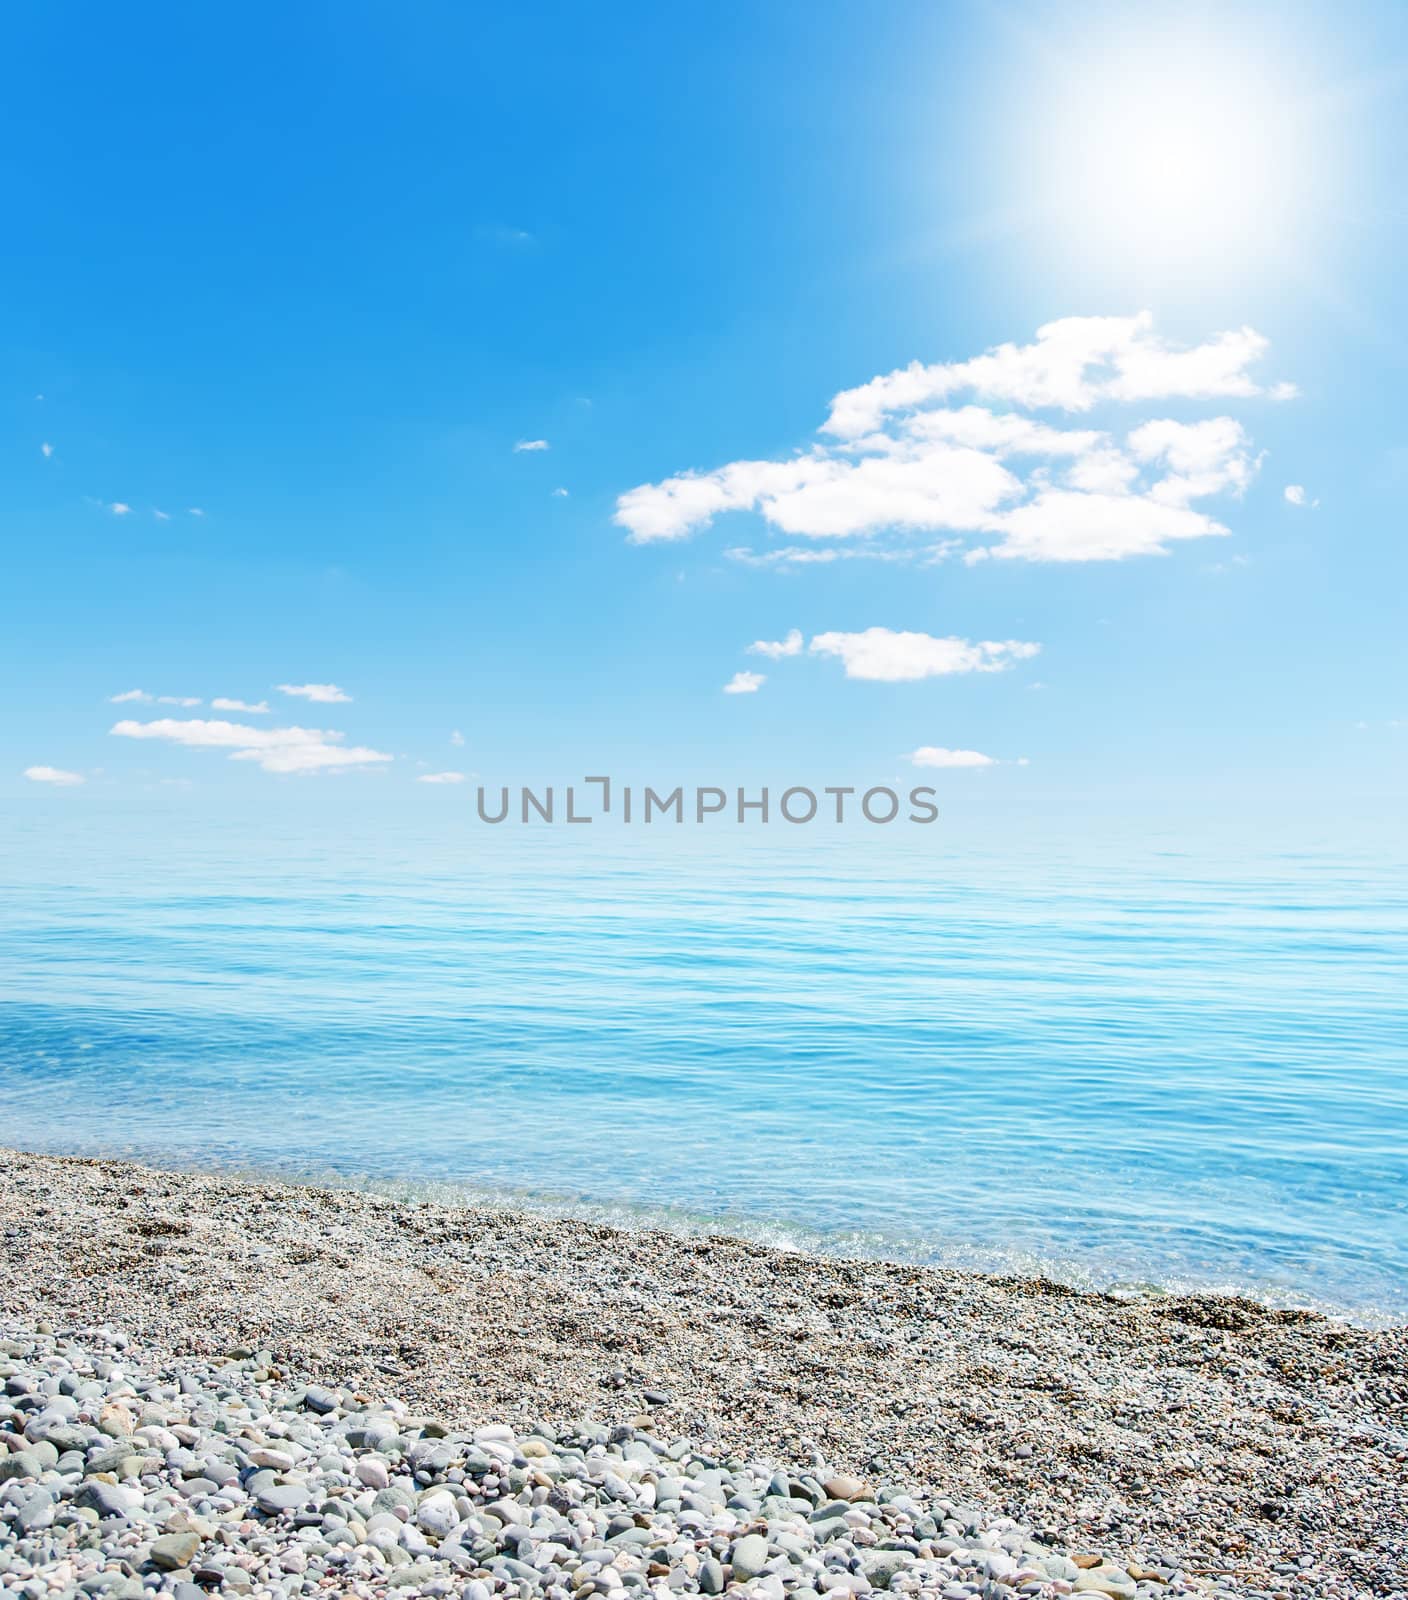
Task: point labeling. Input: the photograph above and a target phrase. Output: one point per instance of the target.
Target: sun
(1184, 153)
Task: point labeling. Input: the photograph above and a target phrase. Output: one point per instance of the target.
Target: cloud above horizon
(745, 683)
(935, 755)
(882, 655)
(896, 456)
(325, 694)
(224, 703)
(290, 749)
(777, 649)
(141, 697)
(55, 776)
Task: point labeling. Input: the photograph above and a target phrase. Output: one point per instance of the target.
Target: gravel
(212, 1384)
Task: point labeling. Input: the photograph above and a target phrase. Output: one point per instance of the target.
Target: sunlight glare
(1184, 159)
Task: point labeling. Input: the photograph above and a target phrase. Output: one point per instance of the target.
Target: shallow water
(1163, 1068)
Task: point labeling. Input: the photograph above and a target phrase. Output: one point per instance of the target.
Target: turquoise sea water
(1151, 1067)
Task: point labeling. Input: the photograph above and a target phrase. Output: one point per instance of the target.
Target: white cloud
(55, 775)
(47, 449)
(1004, 433)
(323, 694)
(289, 749)
(896, 457)
(441, 777)
(457, 738)
(1073, 363)
(791, 556)
(314, 756)
(221, 702)
(195, 511)
(120, 509)
(776, 649)
(1203, 458)
(141, 697)
(531, 444)
(804, 556)
(824, 495)
(1063, 525)
(215, 734)
(934, 755)
(881, 655)
(1295, 495)
(745, 683)
(160, 515)
(559, 494)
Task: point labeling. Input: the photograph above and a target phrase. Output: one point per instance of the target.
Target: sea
(1142, 1067)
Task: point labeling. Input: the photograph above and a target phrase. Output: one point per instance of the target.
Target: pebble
(844, 1488)
(174, 1549)
(291, 1500)
(750, 1556)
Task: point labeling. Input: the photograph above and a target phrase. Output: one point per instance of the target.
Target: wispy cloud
(441, 777)
(1295, 495)
(223, 703)
(160, 515)
(776, 649)
(54, 775)
(457, 738)
(323, 694)
(530, 444)
(745, 683)
(812, 556)
(559, 494)
(290, 749)
(503, 234)
(142, 698)
(882, 655)
(895, 455)
(120, 508)
(46, 450)
(194, 511)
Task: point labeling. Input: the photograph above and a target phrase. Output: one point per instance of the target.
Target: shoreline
(1202, 1433)
(783, 1234)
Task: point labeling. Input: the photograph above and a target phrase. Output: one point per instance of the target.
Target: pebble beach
(212, 1384)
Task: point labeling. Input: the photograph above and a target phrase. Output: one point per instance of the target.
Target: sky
(1000, 396)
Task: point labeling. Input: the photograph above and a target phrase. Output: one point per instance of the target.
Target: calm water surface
(1152, 1068)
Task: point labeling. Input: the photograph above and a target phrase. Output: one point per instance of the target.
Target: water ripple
(1162, 1069)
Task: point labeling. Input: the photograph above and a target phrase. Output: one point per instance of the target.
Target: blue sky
(315, 275)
